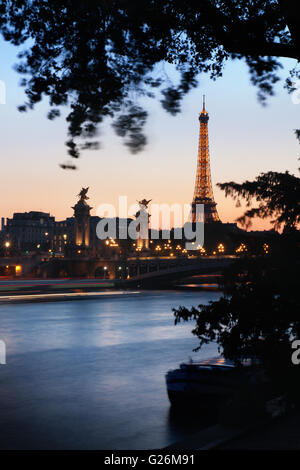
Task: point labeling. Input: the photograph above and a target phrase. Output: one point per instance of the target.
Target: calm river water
(89, 374)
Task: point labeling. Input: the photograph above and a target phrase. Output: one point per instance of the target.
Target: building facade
(30, 230)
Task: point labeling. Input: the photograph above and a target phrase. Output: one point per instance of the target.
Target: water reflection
(90, 374)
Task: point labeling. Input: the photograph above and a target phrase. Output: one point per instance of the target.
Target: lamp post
(6, 245)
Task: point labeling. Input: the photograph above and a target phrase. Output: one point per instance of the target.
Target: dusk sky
(245, 140)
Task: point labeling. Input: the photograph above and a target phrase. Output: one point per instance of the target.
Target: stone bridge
(149, 272)
(130, 272)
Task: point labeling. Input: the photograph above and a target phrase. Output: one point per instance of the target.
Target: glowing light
(242, 248)
(18, 269)
(221, 248)
(7, 244)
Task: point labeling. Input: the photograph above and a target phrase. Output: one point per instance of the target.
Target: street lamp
(6, 245)
(221, 248)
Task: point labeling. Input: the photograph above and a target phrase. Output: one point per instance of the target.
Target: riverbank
(66, 296)
(277, 428)
(280, 433)
(50, 290)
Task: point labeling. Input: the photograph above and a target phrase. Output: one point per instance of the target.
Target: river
(89, 374)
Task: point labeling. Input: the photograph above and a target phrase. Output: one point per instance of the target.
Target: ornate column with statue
(82, 222)
(143, 218)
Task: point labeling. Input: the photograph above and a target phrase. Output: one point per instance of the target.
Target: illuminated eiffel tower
(203, 193)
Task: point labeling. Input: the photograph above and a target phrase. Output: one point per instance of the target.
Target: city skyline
(144, 314)
(166, 170)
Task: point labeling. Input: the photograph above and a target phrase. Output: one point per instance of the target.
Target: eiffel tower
(203, 193)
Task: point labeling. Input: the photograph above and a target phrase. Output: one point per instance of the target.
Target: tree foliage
(277, 195)
(99, 57)
(258, 315)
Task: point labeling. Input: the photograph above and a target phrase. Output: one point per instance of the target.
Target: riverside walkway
(279, 434)
(282, 433)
